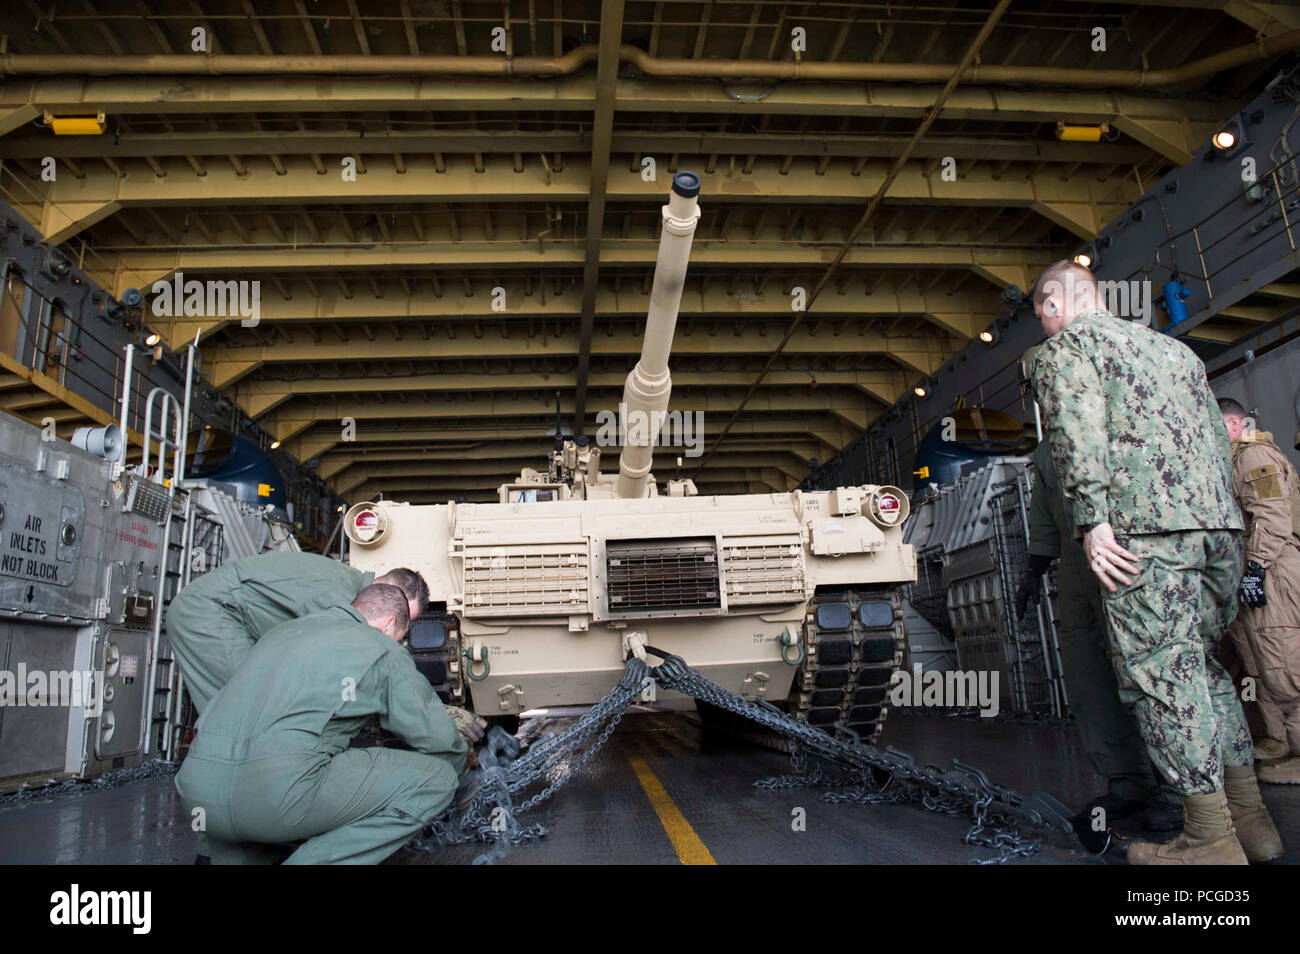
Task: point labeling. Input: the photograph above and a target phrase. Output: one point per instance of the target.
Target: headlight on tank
(366, 525)
(887, 507)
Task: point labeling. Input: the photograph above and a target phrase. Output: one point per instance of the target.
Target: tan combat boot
(1270, 750)
(1207, 837)
(1282, 772)
(1255, 829)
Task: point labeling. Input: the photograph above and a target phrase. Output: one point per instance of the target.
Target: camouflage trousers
(1107, 728)
(1164, 628)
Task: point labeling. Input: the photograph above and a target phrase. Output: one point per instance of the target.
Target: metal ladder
(202, 533)
(160, 693)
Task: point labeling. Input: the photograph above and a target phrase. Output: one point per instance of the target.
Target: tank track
(853, 645)
(436, 654)
(438, 659)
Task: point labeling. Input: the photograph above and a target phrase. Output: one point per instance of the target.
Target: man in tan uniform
(1268, 491)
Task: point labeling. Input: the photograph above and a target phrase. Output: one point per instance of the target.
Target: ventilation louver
(659, 576)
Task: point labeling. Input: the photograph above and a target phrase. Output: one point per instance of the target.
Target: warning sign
(28, 551)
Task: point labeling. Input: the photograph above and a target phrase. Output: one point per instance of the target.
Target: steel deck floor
(703, 787)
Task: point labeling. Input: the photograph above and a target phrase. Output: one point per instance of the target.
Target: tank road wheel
(434, 642)
(853, 641)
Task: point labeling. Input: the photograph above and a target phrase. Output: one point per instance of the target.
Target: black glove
(1251, 591)
(1030, 588)
(1032, 585)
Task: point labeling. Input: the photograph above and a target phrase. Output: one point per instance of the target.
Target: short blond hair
(1060, 272)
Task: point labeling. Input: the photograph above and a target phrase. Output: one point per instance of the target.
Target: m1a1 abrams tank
(785, 597)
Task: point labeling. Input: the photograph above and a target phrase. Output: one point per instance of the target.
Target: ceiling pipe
(25, 64)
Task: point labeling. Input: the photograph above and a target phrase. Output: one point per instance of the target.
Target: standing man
(271, 762)
(1107, 728)
(1268, 626)
(1143, 459)
(214, 622)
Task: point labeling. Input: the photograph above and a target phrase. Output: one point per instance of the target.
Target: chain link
(846, 769)
(962, 788)
(554, 760)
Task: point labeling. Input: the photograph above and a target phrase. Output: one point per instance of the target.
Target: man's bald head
(385, 608)
(1063, 292)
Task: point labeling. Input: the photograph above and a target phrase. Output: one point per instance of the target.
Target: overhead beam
(399, 470)
(998, 264)
(920, 352)
(1077, 203)
(292, 420)
(262, 396)
(205, 95)
(323, 439)
(772, 478)
(304, 143)
(963, 314)
(507, 457)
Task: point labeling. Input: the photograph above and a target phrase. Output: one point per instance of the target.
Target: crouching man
(271, 762)
(215, 621)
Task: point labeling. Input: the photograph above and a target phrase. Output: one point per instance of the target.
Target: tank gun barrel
(649, 385)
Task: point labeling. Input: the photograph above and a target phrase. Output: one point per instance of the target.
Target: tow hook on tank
(477, 655)
(787, 639)
(634, 644)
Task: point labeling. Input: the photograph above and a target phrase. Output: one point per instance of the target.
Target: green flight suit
(271, 762)
(214, 622)
(1107, 727)
(1139, 443)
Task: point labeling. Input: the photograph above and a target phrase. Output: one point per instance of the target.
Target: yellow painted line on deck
(690, 850)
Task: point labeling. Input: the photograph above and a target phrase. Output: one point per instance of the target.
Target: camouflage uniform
(1268, 637)
(1139, 443)
(1107, 727)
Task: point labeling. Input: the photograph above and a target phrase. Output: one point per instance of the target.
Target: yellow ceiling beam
(510, 468)
(963, 314)
(368, 488)
(508, 457)
(77, 202)
(260, 397)
(319, 441)
(291, 421)
(208, 96)
(294, 420)
(203, 143)
(923, 353)
(142, 269)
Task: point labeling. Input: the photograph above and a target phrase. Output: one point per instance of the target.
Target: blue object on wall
(246, 468)
(947, 460)
(1175, 294)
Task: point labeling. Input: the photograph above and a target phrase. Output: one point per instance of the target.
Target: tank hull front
(551, 596)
